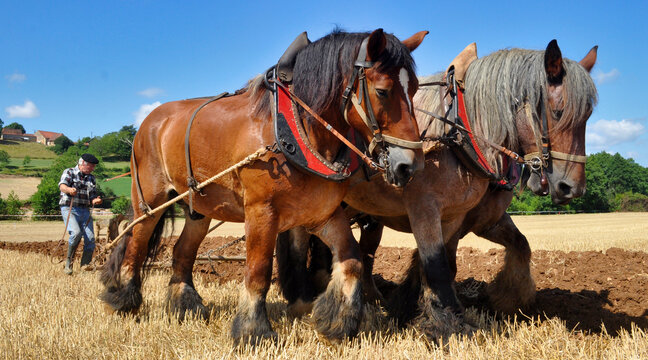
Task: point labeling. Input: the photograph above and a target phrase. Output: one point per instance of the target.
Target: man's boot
(68, 262)
(86, 257)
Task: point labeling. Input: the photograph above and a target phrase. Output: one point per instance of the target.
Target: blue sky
(89, 67)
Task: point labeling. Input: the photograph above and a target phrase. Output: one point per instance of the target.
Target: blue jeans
(80, 225)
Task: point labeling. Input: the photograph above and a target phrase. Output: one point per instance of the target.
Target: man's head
(87, 163)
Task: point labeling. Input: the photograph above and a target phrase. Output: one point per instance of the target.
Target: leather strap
(328, 127)
(144, 207)
(191, 181)
(546, 154)
(386, 138)
(558, 155)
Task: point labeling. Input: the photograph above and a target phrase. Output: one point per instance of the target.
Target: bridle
(378, 139)
(541, 159)
(537, 161)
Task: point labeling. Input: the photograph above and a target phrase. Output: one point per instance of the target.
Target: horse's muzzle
(403, 164)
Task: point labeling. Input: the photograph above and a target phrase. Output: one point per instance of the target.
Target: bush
(11, 206)
(26, 160)
(4, 157)
(630, 201)
(121, 205)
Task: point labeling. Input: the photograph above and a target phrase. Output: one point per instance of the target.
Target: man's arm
(68, 189)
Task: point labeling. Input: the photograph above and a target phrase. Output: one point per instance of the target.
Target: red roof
(49, 135)
(12, 131)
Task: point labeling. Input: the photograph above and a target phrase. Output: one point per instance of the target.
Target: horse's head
(552, 131)
(378, 103)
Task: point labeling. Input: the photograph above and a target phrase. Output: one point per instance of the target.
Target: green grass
(34, 163)
(121, 186)
(117, 164)
(18, 149)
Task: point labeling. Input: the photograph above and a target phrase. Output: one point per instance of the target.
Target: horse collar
(293, 142)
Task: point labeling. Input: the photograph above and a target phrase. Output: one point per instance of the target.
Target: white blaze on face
(404, 80)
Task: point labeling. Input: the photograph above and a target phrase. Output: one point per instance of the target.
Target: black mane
(321, 67)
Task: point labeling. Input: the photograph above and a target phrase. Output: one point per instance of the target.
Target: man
(78, 193)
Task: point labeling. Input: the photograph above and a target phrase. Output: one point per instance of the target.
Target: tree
(128, 129)
(117, 144)
(26, 160)
(1, 124)
(61, 144)
(15, 125)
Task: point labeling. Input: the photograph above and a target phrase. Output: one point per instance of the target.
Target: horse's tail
(296, 277)
(287, 260)
(402, 304)
(127, 297)
(156, 237)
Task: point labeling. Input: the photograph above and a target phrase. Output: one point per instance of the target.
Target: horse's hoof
(335, 317)
(184, 301)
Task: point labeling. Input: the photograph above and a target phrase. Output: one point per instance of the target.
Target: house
(16, 135)
(47, 137)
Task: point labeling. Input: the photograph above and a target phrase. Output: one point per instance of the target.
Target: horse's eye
(382, 93)
(557, 114)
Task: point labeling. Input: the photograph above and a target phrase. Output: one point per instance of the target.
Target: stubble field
(591, 273)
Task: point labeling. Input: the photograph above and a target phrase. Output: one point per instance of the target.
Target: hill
(18, 149)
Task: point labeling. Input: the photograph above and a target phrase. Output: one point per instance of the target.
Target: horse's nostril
(404, 171)
(565, 188)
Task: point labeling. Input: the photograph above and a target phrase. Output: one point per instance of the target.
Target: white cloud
(16, 78)
(602, 78)
(632, 154)
(27, 111)
(151, 92)
(605, 133)
(143, 112)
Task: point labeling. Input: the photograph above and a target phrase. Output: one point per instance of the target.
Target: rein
(512, 154)
(147, 214)
(372, 164)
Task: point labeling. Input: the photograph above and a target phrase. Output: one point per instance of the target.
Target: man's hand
(68, 189)
(96, 201)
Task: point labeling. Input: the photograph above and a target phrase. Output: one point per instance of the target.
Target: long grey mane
(497, 86)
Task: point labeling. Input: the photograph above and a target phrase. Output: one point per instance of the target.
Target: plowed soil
(584, 289)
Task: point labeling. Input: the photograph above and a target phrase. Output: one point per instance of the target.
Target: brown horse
(270, 194)
(505, 96)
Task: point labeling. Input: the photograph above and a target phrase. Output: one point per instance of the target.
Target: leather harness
(285, 100)
(291, 137)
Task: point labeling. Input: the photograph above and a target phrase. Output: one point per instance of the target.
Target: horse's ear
(590, 59)
(415, 40)
(553, 62)
(376, 44)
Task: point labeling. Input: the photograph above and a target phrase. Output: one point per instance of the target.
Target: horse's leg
(121, 274)
(441, 313)
(251, 321)
(370, 235)
(513, 288)
(182, 295)
(294, 280)
(338, 311)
